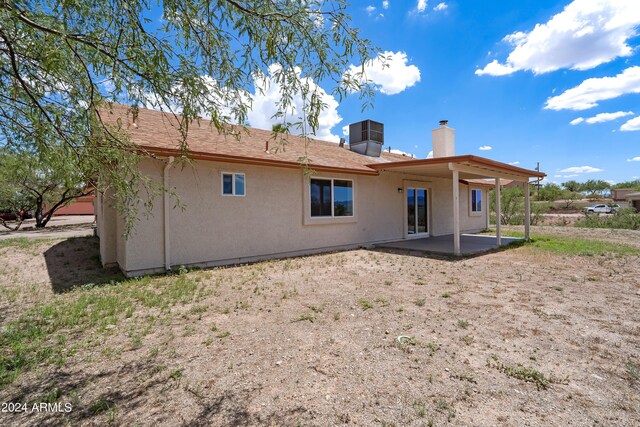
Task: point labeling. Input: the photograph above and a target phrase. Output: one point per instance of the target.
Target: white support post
(456, 213)
(486, 208)
(498, 214)
(527, 210)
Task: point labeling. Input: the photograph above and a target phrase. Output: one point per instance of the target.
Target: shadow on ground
(445, 256)
(76, 262)
(139, 393)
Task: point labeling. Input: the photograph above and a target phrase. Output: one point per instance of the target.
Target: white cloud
(585, 34)
(440, 6)
(485, 148)
(268, 94)
(601, 118)
(631, 125)
(421, 6)
(494, 68)
(634, 159)
(385, 4)
(565, 176)
(430, 155)
(581, 169)
(370, 9)
(391, 74)
(588, 93)
(607, 117)
(610, 181)
(345, 130)
(514, 163)
(224, 100)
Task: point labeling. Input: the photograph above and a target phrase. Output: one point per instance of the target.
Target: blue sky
(529, 81)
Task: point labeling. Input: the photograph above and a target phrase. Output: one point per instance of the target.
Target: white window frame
(332, 216)
(476, 212)
(233, 184)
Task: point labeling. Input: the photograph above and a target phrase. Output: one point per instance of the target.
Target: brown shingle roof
(158, 133)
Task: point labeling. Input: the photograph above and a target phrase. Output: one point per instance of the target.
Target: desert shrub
(537, 209)
(512, 207)
(624, 218)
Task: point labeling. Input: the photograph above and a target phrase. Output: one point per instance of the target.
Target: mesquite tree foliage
(62, 61)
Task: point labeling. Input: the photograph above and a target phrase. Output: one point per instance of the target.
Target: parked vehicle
(7, 216)
(10, 216)
(607, 209)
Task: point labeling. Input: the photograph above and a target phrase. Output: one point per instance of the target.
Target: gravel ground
(521, 337)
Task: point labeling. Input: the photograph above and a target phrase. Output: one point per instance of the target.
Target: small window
(233, 184)
(331, 197)
(476, 200)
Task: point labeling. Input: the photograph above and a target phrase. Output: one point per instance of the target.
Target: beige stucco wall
(106, 223)
(273, 218)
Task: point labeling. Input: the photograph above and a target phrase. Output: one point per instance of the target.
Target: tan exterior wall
(273, 218)
(106, 229)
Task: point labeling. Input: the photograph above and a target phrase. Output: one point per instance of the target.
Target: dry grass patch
(359, 337)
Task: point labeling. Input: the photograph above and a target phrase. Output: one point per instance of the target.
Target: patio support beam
(456, 213)
(498, 214)
(527, 209)
(488, 173)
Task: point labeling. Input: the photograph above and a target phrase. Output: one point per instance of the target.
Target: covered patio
(470, 244)
(462, 169)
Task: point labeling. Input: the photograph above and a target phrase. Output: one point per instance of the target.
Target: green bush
(512, 207)
(624, 218)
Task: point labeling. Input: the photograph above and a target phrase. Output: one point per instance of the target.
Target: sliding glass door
(417, 212)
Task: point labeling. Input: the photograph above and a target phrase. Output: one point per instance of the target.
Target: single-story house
(619, 195)
(248, 198)
(634, 200)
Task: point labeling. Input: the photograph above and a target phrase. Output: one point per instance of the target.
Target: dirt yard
(546, 334)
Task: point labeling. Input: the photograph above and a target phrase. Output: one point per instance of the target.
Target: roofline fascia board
(195, 155)
(468, 158)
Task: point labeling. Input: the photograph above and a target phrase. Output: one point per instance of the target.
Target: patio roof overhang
(468, 167)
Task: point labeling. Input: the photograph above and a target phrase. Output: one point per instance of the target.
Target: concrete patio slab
(470, 244)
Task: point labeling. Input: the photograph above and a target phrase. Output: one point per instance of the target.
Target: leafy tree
(550, 192)
(569, 197)
(13, 201)
(628, 184)
(39, 181)
(573, 186)
(594, 187)
(61, 60)
(511, 204)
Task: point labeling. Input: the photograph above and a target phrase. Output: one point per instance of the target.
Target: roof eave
(198, 155)
(459, 159)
